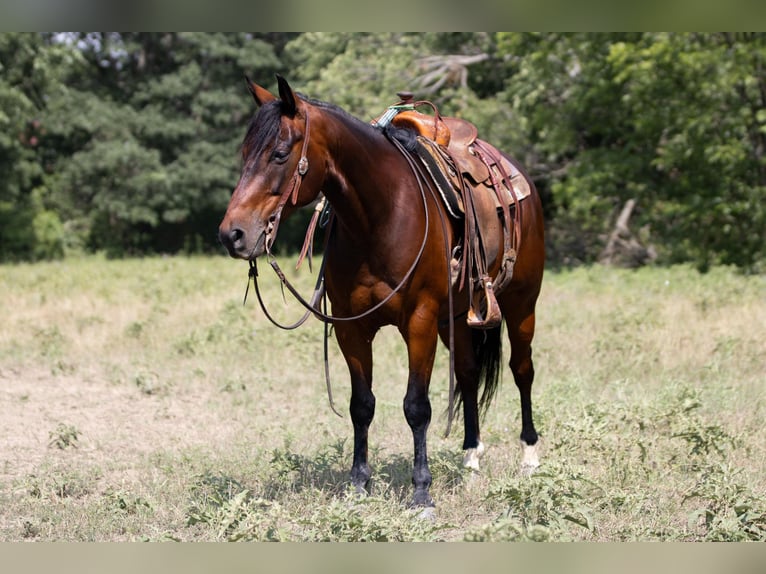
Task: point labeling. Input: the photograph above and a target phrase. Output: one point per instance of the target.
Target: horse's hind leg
(357, 350)
(467, 372)
(521, 330)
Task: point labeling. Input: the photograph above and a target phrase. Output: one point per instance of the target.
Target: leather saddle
(460, 164)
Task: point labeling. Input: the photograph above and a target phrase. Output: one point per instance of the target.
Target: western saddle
(461, 165)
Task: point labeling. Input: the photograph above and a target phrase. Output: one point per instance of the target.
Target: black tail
(488, 348)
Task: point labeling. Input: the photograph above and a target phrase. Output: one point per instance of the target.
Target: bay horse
(386, 264)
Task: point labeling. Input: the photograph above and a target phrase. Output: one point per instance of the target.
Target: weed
(293, 472)
(149, 383)
(232, 386)
(189, 345)
(366, 519)
(705, 439)
(60, 483)
(727, 510)
(702, 438)
(29, 530)
(551, 498)
(125, 502)
(285, 464)
(508, 530)
(134, 330)
(215, 489)
(224, 505)
(64, 436)
(61, 367)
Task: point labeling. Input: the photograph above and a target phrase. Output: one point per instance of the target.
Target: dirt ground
(116, 425)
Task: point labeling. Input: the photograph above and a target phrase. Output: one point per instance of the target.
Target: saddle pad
(443, 173)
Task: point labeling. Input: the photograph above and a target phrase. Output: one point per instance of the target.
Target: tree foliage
(128, 142)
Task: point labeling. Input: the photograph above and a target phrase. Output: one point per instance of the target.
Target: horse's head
(278, 172)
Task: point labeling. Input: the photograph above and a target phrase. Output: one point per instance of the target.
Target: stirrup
(484, 312)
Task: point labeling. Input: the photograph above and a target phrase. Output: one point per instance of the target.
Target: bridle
(291, 193)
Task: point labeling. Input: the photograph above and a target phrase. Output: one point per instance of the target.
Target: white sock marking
(472, 456)
(529, 459)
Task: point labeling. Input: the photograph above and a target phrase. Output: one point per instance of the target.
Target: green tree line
(128, 143)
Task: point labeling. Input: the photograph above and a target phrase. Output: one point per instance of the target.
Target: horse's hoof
(421, 500)
(361, 491)
(472, 456)
(527, 470)
(428, 513)
(359, 488)
(423, 507)
(529, 459)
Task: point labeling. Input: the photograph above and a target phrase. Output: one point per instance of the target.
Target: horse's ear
(286, 94)
(260, 95)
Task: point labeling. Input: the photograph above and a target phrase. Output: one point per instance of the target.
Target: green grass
(140, 400)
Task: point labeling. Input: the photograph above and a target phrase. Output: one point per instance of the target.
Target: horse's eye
(280, 155)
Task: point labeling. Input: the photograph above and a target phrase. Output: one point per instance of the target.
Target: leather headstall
(291, 193)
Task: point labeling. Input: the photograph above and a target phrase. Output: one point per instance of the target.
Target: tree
(29, 69)
(360, 72)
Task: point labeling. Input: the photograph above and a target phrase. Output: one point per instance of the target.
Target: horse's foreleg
(421, 338)
(357, 350)
(417, 410)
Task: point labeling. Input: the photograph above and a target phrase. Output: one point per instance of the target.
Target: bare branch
(450, 70)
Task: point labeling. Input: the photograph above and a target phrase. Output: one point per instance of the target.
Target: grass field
(139, 400)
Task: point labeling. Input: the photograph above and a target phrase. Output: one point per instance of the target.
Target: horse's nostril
(233, 239)
(236, 235)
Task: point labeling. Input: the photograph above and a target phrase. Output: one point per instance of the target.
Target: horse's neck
(363, 186)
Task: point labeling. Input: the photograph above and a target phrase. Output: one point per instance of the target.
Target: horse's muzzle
(238, 244)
